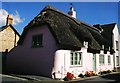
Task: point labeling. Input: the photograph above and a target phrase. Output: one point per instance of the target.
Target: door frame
(94, 62)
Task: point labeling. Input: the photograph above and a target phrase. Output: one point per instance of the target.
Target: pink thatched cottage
(57, 43)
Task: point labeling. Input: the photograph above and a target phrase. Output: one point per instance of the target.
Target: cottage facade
(55, 43)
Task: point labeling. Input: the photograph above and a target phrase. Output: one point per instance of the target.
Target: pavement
(107, 78)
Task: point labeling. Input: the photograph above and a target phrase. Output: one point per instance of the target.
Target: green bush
(81, 75)
(104, 72)
(87, 74)
(114, 70)
(65, 78)
(109, 71)
(94, 74)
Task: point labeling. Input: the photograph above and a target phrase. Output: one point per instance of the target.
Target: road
(26, 79)
(110, 78)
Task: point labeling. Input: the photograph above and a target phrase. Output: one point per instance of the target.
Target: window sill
(36, 46)
(72, 66)
(101, 64)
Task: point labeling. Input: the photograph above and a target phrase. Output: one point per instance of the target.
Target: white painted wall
(62, 63)
(104, 66)
(86, 63)
(119, 48)
(115, 38)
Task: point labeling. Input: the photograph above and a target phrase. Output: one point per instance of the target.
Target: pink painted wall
(27, 60)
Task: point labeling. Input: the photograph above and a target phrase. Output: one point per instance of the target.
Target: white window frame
(101, 56)
(76, 61)
(109, 60)
(117, 46)
(117, 61)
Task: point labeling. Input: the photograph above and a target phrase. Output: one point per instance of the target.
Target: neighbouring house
(110, 32)
(119, 51)
(8, 38)
(55, 43)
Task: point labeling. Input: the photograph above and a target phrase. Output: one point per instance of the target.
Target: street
(109, 78)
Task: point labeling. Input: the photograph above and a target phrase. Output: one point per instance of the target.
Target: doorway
(94, 62)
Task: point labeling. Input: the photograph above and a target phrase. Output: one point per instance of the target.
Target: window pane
(117, 60)
(117, 45)
(75, 58)
(71, 59)
(109, 60)
(37, 40)
(101, 59)
(79, 58)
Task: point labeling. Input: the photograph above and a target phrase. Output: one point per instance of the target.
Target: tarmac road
(109, 78)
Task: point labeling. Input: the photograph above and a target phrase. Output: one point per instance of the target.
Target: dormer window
(85, 43)
(109, 48)
(103, 47)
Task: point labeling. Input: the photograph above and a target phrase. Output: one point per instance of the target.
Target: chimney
(9, 20)
(72, 12)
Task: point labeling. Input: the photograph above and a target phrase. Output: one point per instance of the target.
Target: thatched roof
(107, 32)
(4, 27)
(68, 32)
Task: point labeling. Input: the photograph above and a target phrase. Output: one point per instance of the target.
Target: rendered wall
(62, 63)
(38, 61)
(105, 66)
(115, 38)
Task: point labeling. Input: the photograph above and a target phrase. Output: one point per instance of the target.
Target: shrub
(94, 74)
(104, 72)
(109, 71)
(81, 75)
(101, 72)
(68, 77)
(65, 78)
(114, 70)
(91, 73)
(87, 74)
